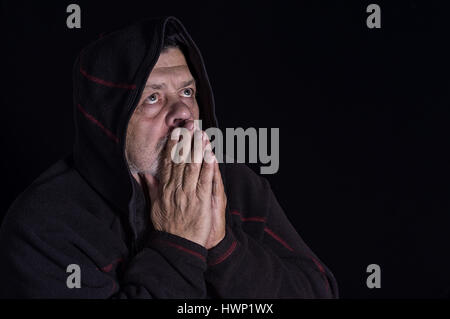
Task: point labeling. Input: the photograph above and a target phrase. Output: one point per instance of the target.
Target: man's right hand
(182, 198)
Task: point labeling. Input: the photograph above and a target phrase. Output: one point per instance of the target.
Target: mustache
(162, 143)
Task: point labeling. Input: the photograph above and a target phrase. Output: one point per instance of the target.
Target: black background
(363, 117)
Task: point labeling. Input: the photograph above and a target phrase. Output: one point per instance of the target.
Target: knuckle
(179, 192)
(165, 188)
(189, 169)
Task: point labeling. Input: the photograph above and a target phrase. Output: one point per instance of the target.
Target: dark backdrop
(363, 117)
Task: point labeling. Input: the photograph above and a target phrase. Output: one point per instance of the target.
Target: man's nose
(178, 115)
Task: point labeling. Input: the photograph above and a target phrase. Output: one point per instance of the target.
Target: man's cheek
(196, 111)
(149, 135)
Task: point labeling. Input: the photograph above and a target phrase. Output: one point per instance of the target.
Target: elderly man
(120, 218)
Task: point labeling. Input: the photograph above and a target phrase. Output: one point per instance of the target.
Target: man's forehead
(179, 73)
(171, 67)
(171, 57)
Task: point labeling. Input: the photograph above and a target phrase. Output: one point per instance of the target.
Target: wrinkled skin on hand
(189, 199)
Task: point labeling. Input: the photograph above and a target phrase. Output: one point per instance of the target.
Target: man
(121, 219)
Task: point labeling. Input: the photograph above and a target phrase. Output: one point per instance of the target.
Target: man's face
(168, 101)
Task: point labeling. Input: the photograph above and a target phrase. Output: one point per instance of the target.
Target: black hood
(109, 76)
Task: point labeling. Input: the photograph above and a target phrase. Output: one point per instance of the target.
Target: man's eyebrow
(156, 86)
(187, 83)
(160, 86)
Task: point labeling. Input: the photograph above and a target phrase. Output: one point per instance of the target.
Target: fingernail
(196, 125)
(176, 133)
(189, 125)
(209, 157)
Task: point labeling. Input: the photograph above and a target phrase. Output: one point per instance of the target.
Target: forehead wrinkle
(167, 75)
(170, 71)
(174, 67)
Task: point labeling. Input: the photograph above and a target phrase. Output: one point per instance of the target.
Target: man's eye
(188, 92)
(152, 99)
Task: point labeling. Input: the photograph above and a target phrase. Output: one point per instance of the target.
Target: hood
(109, 77)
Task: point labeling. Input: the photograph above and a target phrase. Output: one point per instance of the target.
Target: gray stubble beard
(155, 167)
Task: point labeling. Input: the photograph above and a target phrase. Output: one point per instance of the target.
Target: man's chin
(154, 166)
(154, 169)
